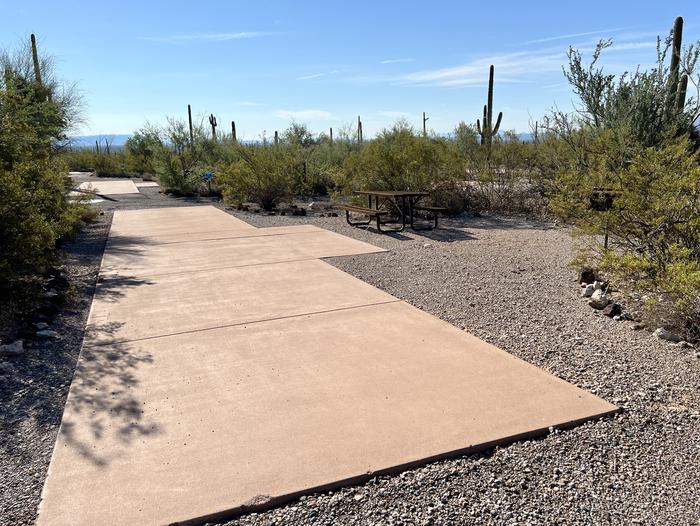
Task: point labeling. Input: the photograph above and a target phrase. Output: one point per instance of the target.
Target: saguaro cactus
(277, 138)
(189, 117)
(233, 131)
(35, 59)
(488, 131)
(212, 121)
(359, 130)
(677, 85)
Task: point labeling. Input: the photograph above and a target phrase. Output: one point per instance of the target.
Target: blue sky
(323, 63)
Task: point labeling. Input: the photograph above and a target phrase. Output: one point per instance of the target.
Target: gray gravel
(32, 396)
(508, 282)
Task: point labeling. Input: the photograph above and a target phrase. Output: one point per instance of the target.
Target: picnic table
(381, 203)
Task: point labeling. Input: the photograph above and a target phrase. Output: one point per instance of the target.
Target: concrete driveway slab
(158, 221)
(127, 308)
(139, 259)
(110, 187)
(234, 231)
(241, 417)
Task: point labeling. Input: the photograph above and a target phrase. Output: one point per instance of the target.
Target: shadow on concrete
(101, 404)
(33, 397)
(112, 288)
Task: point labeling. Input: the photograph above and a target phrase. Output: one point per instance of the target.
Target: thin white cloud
(249, 103)
(298, 115)
(574, 35)
(318, 75)
(510, 68)
(625, 46)
(314, 76)
(397, 60)
(208, 37)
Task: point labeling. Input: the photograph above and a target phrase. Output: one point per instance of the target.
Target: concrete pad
(224, 374)
(134, 241)
(142, 259)
(126, 308)
(110, 187)
(174, 220)
(199, 425)
(146, 184)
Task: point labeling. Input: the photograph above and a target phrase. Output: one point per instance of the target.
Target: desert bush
(627, 171)
(180, 162)
(649, 104)
(653, 224)
(109, 164)
(264, 174)
(398, 159)
(34, 208)
(141, 148)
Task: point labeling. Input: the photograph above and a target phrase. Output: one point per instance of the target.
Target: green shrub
(179, 162)
(398, 159)
(141, 149)
(34, 208)
(263, 175)
(653, 224)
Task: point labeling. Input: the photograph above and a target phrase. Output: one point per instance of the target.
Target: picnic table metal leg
(434, 218)
(356, 223)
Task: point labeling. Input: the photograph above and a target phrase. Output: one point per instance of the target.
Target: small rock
(598, 285)
(333, 214)
(12, 349)
(48, 333)
(638, 326)
(663, 334)
(6, 368)
(617, 318)
(41, 325)
(612, 309)
(299, 212)
(685, 345)
(427, 245)
(599, 300)
(587, 291)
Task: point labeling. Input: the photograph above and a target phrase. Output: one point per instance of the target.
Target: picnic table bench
(403, 202)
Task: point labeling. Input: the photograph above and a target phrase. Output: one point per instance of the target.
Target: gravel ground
(508, 282)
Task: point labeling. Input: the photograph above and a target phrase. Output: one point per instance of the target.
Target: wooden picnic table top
(392, 193)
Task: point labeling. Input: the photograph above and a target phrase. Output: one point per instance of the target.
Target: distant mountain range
(86, 141)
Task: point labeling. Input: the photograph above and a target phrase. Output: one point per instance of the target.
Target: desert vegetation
(36, 113)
